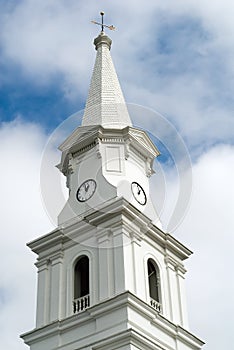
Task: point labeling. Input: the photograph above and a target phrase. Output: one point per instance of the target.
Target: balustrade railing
(156, 305)
(81, 304)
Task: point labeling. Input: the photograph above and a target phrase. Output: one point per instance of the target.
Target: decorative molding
(144, 141)
(113, 139)
(49, 244)
(42, 264)
(148, 164)
(103, 235)
(84, 149)
(170, 262)
(57, 258)
(175, 265)
(70, 169)
(127, 148)
(180, 270)
(98, 151)
(124, 303)
(136, 237)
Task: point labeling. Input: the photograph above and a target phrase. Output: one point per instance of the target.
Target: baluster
(81, 304)
(74, 307)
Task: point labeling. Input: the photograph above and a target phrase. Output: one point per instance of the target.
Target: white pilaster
(43, 281)
(180, 271)
(56, 307)
(119, 273)
(105, 273)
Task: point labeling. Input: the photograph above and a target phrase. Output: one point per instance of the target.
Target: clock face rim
(91, 195)
(135, 196)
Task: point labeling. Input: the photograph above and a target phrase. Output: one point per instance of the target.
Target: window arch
(81, 284)
(154, 284)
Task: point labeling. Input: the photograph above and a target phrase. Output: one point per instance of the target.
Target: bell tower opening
(154, 284)
(81, 284)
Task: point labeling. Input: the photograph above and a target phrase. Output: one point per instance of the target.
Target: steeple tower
(105, 104)
(108, 276)
(106, 147)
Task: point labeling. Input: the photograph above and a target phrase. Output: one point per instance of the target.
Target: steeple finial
(111, 27)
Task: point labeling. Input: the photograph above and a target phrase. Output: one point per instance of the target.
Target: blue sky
(47, 57)
(173, 58)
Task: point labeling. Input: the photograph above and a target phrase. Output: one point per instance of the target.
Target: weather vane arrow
(111, 27)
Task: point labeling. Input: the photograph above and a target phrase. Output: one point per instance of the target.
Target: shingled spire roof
(105, 104)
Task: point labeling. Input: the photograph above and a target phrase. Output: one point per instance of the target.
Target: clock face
(138, 193)
(86, 190)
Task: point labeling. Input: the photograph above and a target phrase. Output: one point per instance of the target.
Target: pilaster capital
(180, 270)
(42, 264)
(57, 258)
(136, 237)
(175, 265)
(170, 262)
(103, 236)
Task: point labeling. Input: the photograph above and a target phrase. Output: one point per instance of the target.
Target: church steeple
(107, 148)
(108, 276)
(105, 104)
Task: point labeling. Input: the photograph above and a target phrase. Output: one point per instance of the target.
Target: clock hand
(138, 190)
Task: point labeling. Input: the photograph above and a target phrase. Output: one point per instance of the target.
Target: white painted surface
(105, 104)
(113, 166)
(118, 236)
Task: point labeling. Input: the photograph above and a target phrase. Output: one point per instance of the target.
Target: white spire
(105, 104)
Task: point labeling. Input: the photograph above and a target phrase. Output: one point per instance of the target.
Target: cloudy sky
(172, 57)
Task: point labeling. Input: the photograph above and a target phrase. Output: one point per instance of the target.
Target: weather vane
(102, 24)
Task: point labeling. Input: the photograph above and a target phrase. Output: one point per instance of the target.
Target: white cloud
(208, 230)
(45, 39)
(54, 38)
(22, 219)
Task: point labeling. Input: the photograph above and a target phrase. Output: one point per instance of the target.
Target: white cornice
(114, 213)
(85, 138)
(130, 305)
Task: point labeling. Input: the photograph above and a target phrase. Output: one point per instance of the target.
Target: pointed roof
(105, 104)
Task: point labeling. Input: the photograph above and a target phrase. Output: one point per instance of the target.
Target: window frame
(152, 259)
(80, 257)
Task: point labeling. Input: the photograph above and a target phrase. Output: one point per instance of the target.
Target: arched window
(153, 280)
(81, 284)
